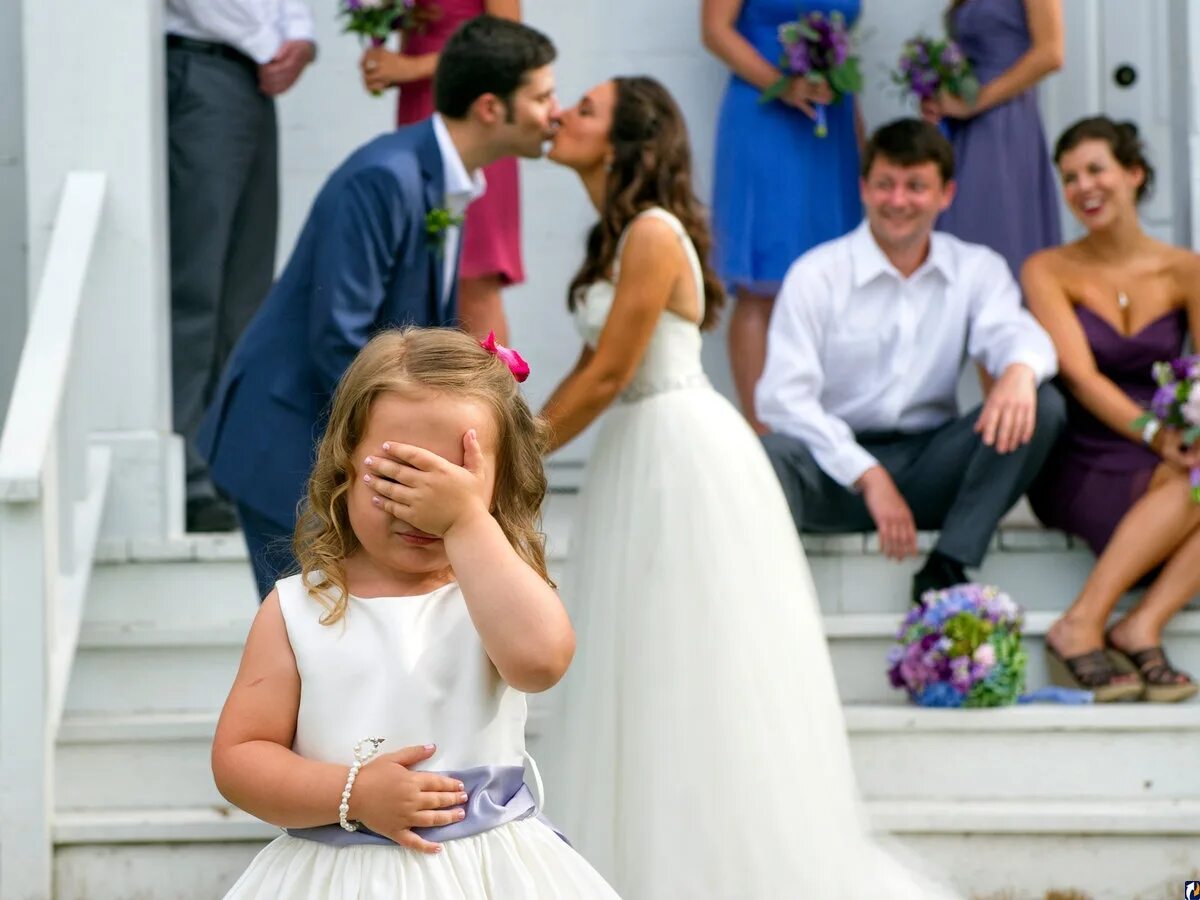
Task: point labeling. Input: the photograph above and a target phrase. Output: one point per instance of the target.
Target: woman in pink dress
(491, 254)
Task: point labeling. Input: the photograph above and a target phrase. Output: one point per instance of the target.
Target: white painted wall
(13, 288)
(95, 100)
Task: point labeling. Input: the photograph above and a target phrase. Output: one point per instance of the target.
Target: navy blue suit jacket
(363, 262)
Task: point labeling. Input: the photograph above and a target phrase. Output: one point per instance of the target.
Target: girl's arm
(391, 69)
(256, 770)
(642, 291)
(1044, 56)
(1049, 303)
(520, 619)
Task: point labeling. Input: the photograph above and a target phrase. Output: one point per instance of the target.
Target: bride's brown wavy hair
(651, 166)
(409, 360)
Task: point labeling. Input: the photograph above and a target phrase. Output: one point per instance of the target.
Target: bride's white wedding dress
(698, 751)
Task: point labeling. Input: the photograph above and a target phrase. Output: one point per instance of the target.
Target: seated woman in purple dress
(1115, 302)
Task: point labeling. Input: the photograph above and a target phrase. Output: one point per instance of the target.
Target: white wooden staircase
(1012, 802)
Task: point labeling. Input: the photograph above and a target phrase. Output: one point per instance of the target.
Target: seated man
(867, 341)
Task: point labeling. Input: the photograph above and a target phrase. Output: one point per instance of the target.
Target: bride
(700, 749)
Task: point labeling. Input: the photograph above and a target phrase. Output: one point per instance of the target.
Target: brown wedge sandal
(1160, 677)
(1092, 671)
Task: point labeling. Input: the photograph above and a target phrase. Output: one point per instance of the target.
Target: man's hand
(1010, 412)
(891, 514)
(278, 75)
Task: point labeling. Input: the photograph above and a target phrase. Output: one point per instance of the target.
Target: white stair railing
(52, 488)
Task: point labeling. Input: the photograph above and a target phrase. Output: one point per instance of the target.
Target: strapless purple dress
(1096, 474)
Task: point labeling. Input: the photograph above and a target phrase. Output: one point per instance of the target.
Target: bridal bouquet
(931, 65)
(377, 19)
(960, 647)
(817, 47)
(1176, 404)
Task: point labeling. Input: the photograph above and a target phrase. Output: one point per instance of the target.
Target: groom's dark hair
(487, 55)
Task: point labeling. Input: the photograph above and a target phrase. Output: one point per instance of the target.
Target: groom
(380, 249)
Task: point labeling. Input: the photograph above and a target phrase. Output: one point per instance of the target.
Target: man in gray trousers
(865, 349)
(227, 60)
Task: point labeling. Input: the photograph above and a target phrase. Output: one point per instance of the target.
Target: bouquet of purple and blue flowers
(930, 65)
(817, 47)
(1176, 404)
(377, 19)
(960, 647)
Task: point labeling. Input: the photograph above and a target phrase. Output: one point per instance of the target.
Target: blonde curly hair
(444, 361)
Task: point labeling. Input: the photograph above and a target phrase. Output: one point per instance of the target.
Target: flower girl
(378, 715)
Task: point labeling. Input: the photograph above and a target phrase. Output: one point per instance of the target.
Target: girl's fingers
(400, 474)
(427, 782)
(473, 460)
(432, 818)
(408, 838)
(417, 457)
(441, 799)
(391, 507)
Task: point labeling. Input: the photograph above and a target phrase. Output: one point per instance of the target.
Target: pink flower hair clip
(508, 356)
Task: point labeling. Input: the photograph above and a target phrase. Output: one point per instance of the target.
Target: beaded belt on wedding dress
(654, 386)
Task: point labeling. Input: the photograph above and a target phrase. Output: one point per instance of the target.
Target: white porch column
(13, 296)
(94, 99)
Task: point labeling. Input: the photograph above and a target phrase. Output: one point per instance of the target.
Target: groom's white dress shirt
(855, 347)
(255, 27)
(462, 188)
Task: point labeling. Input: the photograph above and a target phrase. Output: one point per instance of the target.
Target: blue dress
(778, 189)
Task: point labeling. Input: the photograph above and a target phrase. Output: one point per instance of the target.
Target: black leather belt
(210, 48)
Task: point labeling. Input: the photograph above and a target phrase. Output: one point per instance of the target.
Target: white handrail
(42, 374)
(52, 491)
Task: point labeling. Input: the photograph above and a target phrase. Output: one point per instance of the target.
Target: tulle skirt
(697, 747)
(523, 859)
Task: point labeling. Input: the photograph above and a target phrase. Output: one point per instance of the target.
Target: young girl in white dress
(406, 643)
(702, 751)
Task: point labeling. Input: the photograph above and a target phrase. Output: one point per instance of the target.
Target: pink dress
(492, 234)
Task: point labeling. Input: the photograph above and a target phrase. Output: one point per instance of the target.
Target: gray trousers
(952, 482)
(224, 211)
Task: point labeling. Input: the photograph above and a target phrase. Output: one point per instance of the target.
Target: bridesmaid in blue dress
(778, 189)
(1115, 302)
(1007, 196)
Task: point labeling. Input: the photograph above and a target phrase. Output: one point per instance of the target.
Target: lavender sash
(496, 795)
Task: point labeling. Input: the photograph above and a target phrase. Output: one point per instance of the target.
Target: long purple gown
(1007, 190)
(1095, 474)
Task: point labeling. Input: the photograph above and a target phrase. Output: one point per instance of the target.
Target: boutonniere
(437, 220)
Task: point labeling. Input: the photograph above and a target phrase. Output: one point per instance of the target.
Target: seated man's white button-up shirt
(856, 347)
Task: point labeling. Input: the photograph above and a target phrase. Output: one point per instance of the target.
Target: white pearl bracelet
(360, 760)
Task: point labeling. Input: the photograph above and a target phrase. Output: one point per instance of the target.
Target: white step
(990, 850)
(906, 756)
(1028, 753)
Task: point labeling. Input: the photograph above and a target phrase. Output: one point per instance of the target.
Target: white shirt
(853, 346)
(462, 187)
(256, 27)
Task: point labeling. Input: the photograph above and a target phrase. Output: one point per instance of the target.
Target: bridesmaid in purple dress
(1115, 302)
(1006, 199)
